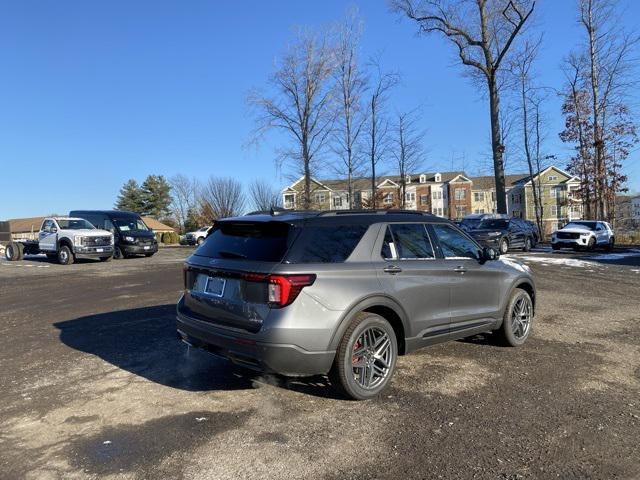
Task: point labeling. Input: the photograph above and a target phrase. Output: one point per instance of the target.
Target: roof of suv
(341, 216)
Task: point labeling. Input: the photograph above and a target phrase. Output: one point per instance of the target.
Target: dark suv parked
(131, 236)
(504, 234)
(345, 293)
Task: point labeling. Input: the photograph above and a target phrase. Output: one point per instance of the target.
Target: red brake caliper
(356, 346)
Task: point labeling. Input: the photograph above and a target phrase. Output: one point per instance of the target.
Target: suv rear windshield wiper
(228, 254)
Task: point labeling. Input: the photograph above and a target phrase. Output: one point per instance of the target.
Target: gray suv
(345, 293)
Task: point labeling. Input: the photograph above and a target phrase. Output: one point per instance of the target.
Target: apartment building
(449, 194)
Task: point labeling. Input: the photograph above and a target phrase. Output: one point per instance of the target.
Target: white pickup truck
(65, 239)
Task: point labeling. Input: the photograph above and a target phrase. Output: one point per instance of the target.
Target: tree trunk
(496, 145)
(527, 150)
(306, 201)
(373, 153)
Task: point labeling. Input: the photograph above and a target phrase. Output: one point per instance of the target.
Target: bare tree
(263, 195)
(377, 136)
(183, 197)
(351, 84)
(483, 32)
(609, 51)
(221, 198)
(301, 104)
(521, 67)
(408, 148)
(600, 75)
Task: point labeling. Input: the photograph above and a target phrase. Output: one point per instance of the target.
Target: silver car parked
(345, 293)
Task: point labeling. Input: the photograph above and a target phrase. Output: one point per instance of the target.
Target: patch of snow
(568, 262)
(617, 256)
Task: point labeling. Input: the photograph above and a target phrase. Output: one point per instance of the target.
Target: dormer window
(407, 179)
(438, 177)
(423, 178)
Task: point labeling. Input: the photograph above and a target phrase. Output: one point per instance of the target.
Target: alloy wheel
(521, 315)
(371, 358)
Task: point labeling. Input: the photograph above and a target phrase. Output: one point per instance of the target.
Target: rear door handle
(392, 269)
(460, 269)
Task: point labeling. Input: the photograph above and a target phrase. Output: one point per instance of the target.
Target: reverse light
(284, 289)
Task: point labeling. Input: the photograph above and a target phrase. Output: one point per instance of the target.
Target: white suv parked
(587, 234)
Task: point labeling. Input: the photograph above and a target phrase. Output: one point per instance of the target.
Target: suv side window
(407, 241)
(327, 244)
(454, 244)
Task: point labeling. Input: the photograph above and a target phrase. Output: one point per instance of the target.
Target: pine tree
(156, 196)
(130, 197)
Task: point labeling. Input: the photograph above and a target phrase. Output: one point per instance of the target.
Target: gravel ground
(93, 383)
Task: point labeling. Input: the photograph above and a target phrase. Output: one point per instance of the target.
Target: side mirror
(489, 253)
(53, 230)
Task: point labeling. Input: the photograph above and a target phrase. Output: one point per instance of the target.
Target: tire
(342, 374)
(148, 255)
(611, 244)
(105, 259)
(592, 244)
(118, 254)
(527, 245)
(65, 256)
(555, 246)
(13, 252)
(504, 246)
(200, 241)
(511, 334)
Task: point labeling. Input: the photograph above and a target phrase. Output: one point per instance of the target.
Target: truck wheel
(65, 256)
(118, 254)
(527, 245)
(517, 320)
(200, 241)
(592, 244)
(105, 259)
(12, 252)
(366, 357)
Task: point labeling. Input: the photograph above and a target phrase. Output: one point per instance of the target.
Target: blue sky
(95, 93)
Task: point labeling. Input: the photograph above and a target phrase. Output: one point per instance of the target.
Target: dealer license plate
(213, 286)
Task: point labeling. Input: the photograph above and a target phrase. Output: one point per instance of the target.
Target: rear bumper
(242, 348)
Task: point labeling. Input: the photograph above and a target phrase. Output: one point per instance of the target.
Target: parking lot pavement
(94, 383)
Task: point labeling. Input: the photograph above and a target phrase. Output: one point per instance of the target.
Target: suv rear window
(258, 241)
(326, 243)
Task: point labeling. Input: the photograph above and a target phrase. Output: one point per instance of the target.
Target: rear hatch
(228, 279)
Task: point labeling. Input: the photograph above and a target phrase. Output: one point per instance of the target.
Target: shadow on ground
(143, 341)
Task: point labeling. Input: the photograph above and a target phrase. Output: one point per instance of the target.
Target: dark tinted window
(264, 242)
(326, 244)
(493, 224)
(454, 244)
(410, 241)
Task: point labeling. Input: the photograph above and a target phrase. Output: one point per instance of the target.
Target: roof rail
(378, 211)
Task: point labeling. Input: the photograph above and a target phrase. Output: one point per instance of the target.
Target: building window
(410, 197)
(388, 198)
(552, 178)
(438, 177)
(461, 211)
(424, 200)
(320, 197)
(515, 198)
(478, 196)
(515, 213)
(555, 210)
(437, 211)
(423, 178)
(437, 195)
(460, 194)
(493, 196)
(289, 200)
(479, 210)
(337, 201)
(407, 179)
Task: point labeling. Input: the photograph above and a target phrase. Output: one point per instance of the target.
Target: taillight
(284, 289)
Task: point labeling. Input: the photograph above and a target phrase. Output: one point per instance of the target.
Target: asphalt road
(93, 383)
